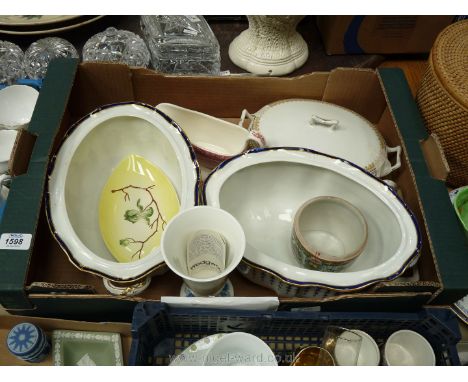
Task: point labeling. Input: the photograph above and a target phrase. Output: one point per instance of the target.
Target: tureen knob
(331, 123)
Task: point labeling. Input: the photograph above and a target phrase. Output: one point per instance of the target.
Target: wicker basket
(443, 98)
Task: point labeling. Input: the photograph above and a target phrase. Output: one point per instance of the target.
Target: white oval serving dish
(91, 150)
(263, 188)
(327, 128)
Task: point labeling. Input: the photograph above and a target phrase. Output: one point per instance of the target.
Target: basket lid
(450, 60)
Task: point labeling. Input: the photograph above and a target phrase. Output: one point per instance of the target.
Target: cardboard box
(41, 281)
(380, 34)
(48, 325)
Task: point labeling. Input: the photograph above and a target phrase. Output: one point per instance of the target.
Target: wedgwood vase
(270, 46)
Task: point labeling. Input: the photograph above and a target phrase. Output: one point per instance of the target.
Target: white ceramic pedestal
(270, 46)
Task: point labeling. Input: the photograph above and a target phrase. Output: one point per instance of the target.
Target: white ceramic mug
(240, 349)
(182, 226)
(408, 348)
(369, 354)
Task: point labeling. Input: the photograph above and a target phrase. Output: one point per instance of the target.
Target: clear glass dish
(181, 44)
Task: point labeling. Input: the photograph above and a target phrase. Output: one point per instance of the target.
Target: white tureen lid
(324, 127)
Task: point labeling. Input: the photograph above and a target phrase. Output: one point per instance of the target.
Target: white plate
(30, 20)
(194, 355)
(79, 23)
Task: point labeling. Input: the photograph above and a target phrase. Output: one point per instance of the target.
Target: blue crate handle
(36, 84)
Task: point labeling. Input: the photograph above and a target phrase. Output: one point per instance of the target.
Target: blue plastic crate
(160, 332)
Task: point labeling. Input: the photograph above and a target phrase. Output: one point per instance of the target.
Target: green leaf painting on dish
(143, 213)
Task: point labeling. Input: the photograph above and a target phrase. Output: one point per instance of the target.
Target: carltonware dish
(263, 188)
(88, 156)
(239, 349)
(327, 128)
(7, 143)
(408, 348)
(328, 233)
(174, 245)
(78, 348)
(17, 104)
(213, 139)
(140, 199)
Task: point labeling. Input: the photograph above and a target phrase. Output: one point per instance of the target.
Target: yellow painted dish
(136, 204)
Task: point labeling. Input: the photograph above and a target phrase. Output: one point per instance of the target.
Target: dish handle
(331, 123)
(255, 139)
(388, 168)
(246, 115)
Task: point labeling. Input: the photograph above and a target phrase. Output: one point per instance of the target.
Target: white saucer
(226, 291)
(194, 355)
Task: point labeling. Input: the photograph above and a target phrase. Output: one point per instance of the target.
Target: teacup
(7, 143)
(213, 139)
(369, 354)
(408, 348)
(17, 103)
(343, 344)
(313, 356)
(240, 349)
(328, 233)
(178, 234)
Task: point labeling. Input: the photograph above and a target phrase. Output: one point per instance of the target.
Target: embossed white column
(270, 46)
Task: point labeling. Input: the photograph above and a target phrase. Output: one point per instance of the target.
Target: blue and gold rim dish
(173, 141)
(263, 183)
